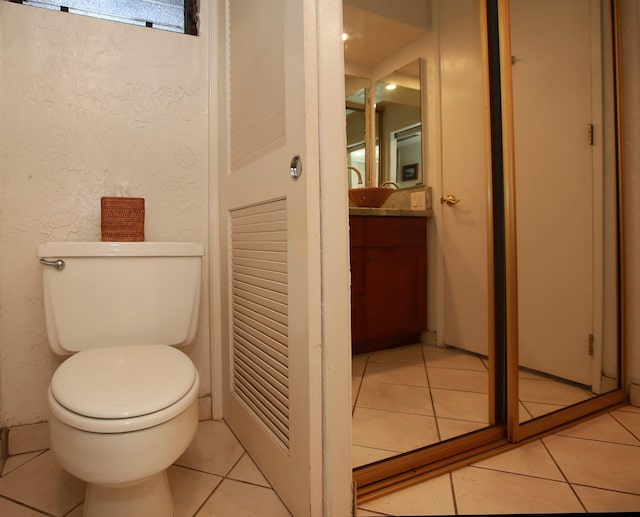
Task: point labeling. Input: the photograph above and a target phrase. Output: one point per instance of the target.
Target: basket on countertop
(122, 219)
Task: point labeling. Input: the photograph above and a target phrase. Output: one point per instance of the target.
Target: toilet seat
(122, 388)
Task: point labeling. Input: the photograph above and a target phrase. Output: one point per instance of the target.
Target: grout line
(624, 426)
(74, 508)
(453, 493)
(24, 505)
(37, 454)
(355, 401)
(563, 475)
(433, 405)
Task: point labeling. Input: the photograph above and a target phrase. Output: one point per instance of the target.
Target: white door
(464, 231)
(552, 77)
(270, 240)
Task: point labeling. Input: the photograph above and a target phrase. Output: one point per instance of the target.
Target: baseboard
(634, 395)
(205, 408)
(429, 337)
(4, 453)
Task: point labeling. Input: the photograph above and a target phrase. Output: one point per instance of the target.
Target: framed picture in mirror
(409, 172)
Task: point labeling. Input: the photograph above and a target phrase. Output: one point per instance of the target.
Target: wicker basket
(122, 219)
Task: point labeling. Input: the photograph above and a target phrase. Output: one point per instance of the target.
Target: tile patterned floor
(433, 394)
(591, 467)
(214, 477)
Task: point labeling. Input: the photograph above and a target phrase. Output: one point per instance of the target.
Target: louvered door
(270, 239)
(260, 315)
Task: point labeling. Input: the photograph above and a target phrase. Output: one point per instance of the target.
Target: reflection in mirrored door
(565, 184)
(432, 132)
(523, 300)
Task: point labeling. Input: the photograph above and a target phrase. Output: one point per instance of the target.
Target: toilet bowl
(123, 406)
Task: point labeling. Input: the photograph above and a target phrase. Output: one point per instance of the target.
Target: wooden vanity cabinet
(388, 281)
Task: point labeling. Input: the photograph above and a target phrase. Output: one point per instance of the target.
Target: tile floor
(214, 477)
(432, 394)
(592, 467)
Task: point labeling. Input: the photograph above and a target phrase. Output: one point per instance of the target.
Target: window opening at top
(171, 15)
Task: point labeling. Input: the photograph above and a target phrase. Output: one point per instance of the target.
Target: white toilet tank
(120, 293)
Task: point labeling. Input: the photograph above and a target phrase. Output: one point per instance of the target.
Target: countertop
(390, 212)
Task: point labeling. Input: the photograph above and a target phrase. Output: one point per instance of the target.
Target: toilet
(124, 405)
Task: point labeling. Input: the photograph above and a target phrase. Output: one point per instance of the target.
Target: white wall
(84, 105)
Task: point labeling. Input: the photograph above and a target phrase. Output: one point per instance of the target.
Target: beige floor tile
(403, 354)
(392, 431)
(11, 509)
(190, 489)
(395, 397)
(76, 512)
(526, 374)
(361, 512)
(439, 357)
(550, 392)
(13, 462)
(234, 498)
(483, 491)
(523, 413)
(629, 419)
(630, 409)
(433, 497)
(355, 391)
(531, 459)
(597, 464)
(246, 470)
(365, 455)
(28, 438)
(358, 363)
(461, 405)
(536, 409)
(598, 500)
(449, 427)
(604, 428)
(460, 380)
(214, 449)
(411, 374)
(42, 484)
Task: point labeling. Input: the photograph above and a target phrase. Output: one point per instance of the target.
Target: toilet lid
(123, 381)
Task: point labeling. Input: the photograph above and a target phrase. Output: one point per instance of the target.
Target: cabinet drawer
(395, 231)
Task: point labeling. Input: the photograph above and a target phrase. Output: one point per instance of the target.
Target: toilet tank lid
(120, 249)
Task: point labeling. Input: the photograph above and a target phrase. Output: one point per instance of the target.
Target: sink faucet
(352, 168)
(390, 183)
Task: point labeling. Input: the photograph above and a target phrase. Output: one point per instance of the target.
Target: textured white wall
(86, 104)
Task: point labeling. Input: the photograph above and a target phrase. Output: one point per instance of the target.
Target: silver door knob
(450, 200)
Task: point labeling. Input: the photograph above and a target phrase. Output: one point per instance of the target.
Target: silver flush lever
(57, 263)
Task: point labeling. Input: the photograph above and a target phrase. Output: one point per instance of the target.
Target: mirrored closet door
(519, 137)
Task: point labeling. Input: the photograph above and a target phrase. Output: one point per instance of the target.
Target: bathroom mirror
(398, 99)
(378, 34)
(394, 134)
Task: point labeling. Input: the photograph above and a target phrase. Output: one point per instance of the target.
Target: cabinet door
(395, 301)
